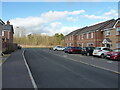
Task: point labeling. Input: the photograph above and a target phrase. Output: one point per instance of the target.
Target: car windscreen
(98, 48)
(59, 47)
(107, 49)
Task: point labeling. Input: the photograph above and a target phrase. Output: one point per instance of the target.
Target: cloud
(47, 22)
(111, 13)
(94, 17)
(107, 15)
(51, 22)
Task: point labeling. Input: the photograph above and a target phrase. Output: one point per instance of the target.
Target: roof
(1, 22)
(75, 32)
(99, 26)
(111, 25)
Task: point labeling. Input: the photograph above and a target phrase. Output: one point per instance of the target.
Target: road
(56, 69)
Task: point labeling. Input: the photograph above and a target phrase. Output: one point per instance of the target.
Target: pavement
(14, 72)
(56, 69)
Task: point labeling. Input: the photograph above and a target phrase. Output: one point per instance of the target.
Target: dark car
(114, 54)
(87, 51)
(75, 50)
(67, 49)
(19, 47)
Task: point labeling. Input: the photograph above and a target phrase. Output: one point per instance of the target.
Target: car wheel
(87, 54)
(102, 56)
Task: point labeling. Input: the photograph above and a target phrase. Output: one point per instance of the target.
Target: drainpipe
(96, 37)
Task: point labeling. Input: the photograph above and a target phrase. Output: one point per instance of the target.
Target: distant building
(19, 31)
(102, 34)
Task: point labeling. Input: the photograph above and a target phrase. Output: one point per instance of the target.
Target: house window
(82, 44)
(92, 35)
(3, 33)
(108, 32)
(71, 44)
(118, 31)
(79, 37)
(82, 36)
(70, 37)
(118, 45)
(87, 35)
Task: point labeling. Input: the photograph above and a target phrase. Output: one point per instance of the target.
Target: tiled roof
(99, 26)
(76, 31)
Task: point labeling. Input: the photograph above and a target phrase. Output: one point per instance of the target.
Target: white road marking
(89, 64)
(30, 74)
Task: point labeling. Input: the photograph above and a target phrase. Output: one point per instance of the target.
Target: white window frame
(79, 37)
(3, 33)
(82, 44)
(92, 35)
(72, 37)
(82, 36)
(117, 31)
(107, 32)
(87, 35)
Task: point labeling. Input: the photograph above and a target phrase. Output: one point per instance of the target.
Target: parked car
(58, 48)
(50, 48)
(87, 51)
(114, 54)
(101, 51)
(66, 50)
(75, 50)
(19, 47)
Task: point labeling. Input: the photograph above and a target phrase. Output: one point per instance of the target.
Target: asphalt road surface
(56, 69)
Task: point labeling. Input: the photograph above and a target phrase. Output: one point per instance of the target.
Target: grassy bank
(3, 58)
(35, 46)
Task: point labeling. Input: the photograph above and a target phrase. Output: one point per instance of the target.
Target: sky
(57, 17)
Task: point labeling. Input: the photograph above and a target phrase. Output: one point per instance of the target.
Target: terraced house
(102, 34)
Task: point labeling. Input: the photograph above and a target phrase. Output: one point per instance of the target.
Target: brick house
(94, 35)
(112, 35)
(71, 38)
(7, 37)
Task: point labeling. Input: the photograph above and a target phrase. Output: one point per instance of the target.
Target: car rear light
(99, 50)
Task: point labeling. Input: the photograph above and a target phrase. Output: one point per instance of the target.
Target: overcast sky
(57, 17)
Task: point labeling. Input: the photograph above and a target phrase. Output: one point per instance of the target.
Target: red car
(114, 54)
(75, 50)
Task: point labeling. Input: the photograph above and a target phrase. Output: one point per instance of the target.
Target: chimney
(8, 22)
